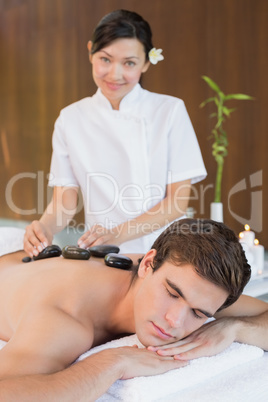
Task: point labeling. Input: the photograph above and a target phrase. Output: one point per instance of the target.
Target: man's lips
(161, 332)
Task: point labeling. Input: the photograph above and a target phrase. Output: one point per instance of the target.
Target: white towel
(11, 239)
(146, 389)
(152, 388)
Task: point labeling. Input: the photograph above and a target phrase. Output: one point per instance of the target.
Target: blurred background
(44, 67)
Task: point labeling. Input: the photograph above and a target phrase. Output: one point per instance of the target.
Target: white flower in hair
(155, 55)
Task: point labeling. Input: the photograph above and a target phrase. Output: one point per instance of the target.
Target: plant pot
(216, 211)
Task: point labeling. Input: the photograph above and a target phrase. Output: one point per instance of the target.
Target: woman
(133, 153)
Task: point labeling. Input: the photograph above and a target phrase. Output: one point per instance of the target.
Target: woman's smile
(113, 86)
(117, 68)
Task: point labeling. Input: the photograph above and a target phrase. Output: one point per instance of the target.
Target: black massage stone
(118, 261)
(48, 252)
(103, 249)
(26, 259)
(75, 253)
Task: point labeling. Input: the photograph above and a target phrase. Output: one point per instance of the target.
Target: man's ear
(89, 47)
(146, 263)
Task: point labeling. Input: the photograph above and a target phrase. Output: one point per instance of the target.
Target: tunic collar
(126, 103)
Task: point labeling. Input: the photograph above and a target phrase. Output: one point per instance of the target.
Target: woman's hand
(210, 339)
(98, 235)
(36, 238)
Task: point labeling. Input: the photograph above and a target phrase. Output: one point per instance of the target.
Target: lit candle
(253, 250)
(258, 254)
(247, 236)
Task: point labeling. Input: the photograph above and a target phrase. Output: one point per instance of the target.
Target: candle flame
(241, 235)
(256, 242)
(247, 227)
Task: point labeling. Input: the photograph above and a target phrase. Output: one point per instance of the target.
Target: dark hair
(122, 24)
(209, 246)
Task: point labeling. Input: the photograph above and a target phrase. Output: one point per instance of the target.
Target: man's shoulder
(46, 340)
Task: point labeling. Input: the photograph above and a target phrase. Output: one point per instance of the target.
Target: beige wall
(44, 66)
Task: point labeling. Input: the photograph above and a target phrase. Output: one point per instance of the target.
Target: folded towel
(152, 388)
(145, 389)
(11, 240)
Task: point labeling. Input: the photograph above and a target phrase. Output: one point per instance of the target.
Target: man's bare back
(84, 295)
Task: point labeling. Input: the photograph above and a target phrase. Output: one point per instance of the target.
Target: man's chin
(145, 339)
(149, 340)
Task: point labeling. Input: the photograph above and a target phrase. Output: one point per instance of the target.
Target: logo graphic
(255, 220)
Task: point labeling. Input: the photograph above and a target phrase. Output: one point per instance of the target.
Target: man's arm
(87, 380)
(246, 321)
(250, 321)
(34, 365)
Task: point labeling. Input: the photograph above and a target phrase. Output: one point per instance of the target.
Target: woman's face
(117, 68)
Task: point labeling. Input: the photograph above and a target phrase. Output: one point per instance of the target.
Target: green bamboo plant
(220, 144)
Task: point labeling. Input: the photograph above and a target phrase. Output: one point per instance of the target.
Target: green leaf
(211, 83)
(206, 101)
(217, 102)
(213, 115)
(239, 97)
(219, 136)
(227, 111)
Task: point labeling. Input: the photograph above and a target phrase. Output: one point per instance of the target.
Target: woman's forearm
(163, 213)
(61, 209)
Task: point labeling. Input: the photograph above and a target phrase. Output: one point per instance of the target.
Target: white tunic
(123, 159)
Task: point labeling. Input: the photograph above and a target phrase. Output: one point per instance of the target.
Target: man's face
(173, 302)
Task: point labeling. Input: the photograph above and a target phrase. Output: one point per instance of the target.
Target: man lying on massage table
(54, 310)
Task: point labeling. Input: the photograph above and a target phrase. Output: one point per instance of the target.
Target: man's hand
(135, 362)
(36, 238)
(210, 339)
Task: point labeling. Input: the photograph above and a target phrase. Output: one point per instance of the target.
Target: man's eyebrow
(178, 290)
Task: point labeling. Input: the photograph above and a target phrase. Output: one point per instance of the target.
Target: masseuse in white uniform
(133, 153)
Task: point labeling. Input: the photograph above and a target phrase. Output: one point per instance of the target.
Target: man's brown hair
(211, 248)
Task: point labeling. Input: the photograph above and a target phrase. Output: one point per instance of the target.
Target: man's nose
(176, 316)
